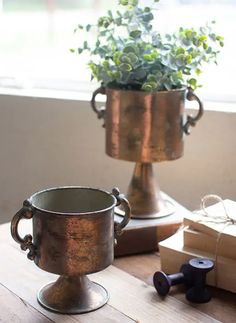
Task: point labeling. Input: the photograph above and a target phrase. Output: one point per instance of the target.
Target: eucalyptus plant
(128, 53)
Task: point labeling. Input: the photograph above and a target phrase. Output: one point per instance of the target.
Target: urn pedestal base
(144, 195)
(72, 295)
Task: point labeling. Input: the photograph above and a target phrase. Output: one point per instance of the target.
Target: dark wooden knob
(198, 293)
(163, 282)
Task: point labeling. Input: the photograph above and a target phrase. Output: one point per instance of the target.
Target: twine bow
(224, 219)
(221, 219)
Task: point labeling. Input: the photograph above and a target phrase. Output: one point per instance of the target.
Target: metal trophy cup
(73, 235)
(145, 128)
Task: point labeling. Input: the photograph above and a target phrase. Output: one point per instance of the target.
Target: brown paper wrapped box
(207, 224)
(195, 239)
(202, 233)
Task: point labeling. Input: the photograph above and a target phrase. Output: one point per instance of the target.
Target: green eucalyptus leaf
(153, 84)
(88, 27)
(109, 12)
(188, 59)
(167, 85)
(156, 40)
(180, 50)
(158, 75)
(131, 49)
(124, 2)
(148, 27)
(116, 57)
(106, 65)
(103, 33)
(180, 60)
(148, 57)
(126, 15)
(198, 71)
(125, 59)
(133, 3)
(133, 58)
(118, 21)
(117, 75)
(139, 74)
(186, 42)
(187, 71)
(193, 83)
(155, 54)
(213, 36)
(149, 86)
(135, 33)
(219, 38)
(151, 78)
(125, 67)
(147, 17)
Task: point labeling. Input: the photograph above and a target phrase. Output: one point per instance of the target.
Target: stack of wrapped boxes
(210, 235)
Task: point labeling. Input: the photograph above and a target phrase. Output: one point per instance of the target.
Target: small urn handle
(121, 200)
(192, 121)
(26, 212)
(99, 111)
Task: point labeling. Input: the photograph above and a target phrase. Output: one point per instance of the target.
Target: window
(36, 37)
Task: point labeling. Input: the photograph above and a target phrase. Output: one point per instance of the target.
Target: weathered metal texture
(146, 127)
(73, 235)
(144, 194)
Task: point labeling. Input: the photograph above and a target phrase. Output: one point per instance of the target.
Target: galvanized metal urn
(73, 235)
(146, 128)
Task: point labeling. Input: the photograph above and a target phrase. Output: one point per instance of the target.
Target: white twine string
(224, 219)
(219, 219)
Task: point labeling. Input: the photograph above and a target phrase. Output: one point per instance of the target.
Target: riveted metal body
(144, 127)
(73, 235)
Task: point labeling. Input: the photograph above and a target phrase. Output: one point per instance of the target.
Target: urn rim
(33, 201)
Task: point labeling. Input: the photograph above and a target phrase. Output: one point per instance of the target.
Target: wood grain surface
(222, 306)
(128, 281)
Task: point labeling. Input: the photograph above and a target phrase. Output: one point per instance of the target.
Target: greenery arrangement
(129, 54)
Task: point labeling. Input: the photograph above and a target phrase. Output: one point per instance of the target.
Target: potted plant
(146, 77)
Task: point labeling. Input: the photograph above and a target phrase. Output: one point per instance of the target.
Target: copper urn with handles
(146, 128)
(73, 235)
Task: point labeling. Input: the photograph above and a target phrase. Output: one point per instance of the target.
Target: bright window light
(36, 35)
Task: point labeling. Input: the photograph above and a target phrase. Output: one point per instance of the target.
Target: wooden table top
(128, 281)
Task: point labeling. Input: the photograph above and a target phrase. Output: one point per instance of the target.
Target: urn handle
(121, 200)
(99, 111)
(26, 212)
(192, 121)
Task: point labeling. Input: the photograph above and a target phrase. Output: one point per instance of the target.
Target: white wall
(49, 142)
